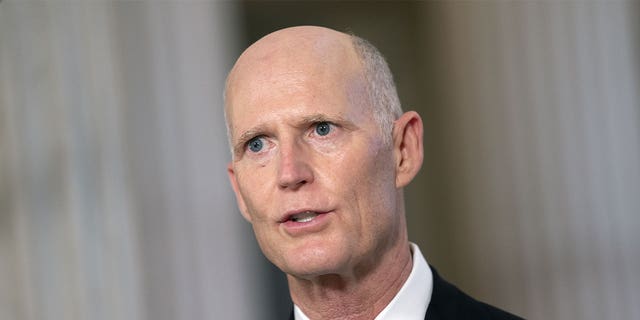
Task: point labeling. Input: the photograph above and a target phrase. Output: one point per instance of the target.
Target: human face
(311, 169)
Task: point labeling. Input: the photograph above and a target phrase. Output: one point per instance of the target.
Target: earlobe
(236, 190)
(408, 150)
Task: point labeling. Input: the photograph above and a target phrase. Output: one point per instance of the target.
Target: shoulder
(449, 302)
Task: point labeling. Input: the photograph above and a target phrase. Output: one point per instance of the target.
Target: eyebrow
(320, 117)
(246, 136)
(304, 121)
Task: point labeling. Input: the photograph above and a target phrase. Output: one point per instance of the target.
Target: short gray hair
(380, 85)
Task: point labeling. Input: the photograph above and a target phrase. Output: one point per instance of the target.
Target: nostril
(295, 176)
(292, 184)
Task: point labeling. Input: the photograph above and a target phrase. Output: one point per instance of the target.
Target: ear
(234, 184)
(407, 147)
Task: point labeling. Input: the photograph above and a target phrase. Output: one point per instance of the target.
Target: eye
(323, 128)
(256, 144)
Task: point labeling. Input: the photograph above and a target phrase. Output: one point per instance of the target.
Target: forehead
(277, 80)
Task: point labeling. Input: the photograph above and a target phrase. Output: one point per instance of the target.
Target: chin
(314, 262)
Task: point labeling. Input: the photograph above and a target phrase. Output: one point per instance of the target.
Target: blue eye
(256, 144)
(323, 128)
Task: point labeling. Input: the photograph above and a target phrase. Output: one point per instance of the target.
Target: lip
(295, 228)
(287, 215)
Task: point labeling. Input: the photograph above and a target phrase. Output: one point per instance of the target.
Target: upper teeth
(304, 216)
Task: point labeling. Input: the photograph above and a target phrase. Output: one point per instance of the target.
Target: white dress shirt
(411, 302)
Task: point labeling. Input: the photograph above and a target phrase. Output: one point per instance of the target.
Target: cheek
(380, 193)
(268, 243)
(369, 179)
(377, 172)
(253, 191)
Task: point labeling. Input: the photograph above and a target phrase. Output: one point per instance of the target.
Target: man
(321, 153)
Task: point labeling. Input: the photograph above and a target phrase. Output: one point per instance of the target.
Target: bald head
(320, 52)
(295, 48)
(306, 49)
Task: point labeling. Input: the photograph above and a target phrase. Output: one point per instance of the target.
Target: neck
(360, 295)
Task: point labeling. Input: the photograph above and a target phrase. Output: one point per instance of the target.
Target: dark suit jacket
(449, 303)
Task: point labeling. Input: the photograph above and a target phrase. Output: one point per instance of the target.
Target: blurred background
(114, 199)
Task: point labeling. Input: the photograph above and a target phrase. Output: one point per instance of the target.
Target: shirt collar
(413, 298)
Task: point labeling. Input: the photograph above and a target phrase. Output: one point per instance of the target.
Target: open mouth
(305, 216)
(304, 221)
(302, 216)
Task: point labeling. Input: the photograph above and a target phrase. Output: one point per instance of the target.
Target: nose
(294, 169)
